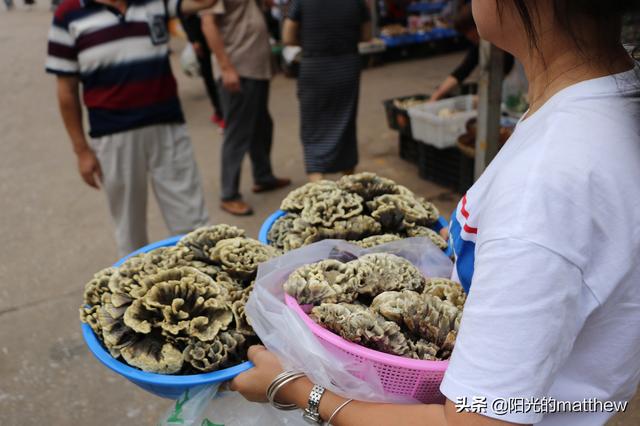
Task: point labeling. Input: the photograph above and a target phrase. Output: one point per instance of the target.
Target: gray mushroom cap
(98, 285)
(446, 289)
(361, 325)
(393, 304)
(181, 301)
(160, 310)
(295, 201)
(326, 208)
(385, 272)
(368, 185)
(383, 302)
(328, 281)
(401, 211)
(202, 240)
(376, 240)
(240, 257)
(153, 355)
(423, 231)
(353, 208)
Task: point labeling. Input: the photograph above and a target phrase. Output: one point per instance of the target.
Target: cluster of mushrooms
(180, 309)
(383, 302)
(365, 209)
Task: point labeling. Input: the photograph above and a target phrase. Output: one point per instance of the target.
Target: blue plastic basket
(266, 226)
(165, 386)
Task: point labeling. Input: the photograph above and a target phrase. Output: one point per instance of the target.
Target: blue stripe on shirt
(465, 252)
(127, 72)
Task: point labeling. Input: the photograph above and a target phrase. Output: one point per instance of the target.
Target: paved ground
(56, 231)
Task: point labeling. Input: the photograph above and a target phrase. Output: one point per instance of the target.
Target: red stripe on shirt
(65, 7)
(463, 209)
(114, 32)
(61, 51)
(132, 95)
(469, 230)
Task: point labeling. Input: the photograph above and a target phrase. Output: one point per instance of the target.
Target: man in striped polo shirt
(118, 50)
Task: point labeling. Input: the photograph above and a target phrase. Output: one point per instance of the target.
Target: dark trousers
(206, 69)
(249, 128)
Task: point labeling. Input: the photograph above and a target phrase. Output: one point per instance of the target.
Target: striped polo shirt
(121, 60)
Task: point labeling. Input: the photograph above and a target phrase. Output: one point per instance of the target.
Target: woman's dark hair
(605, 14)
(463, 21)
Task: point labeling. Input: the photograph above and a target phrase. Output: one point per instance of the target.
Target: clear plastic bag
(204, 406)
(285, 334)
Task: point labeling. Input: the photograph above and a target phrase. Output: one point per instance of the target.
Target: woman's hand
(253, 383)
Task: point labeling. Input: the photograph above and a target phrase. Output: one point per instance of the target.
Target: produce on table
(381, 301)
(447, 113)
(467, 141)
(365, 209)
(408, 103)
(393, 30)
(180, 309)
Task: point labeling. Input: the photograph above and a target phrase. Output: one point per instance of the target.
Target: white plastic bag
(189, 62)
(205, 407)
(285, 334)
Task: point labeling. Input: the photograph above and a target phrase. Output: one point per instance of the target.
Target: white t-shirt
(548, 240)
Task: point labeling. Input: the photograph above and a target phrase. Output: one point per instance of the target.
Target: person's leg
(175, 178)
(207, 75)
(240, 121)
(262, 137)
(124, 181)
(262, 141)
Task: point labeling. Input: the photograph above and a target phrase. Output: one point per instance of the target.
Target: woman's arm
(290, 32)
(445, 87)
(253, 385)
(460, 74)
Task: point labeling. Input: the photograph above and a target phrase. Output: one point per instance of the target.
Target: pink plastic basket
(399, 376)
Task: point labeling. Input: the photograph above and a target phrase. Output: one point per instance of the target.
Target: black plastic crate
(447, 167)
(397, 118)
(408, 148)
(467, 175)
(441, 166)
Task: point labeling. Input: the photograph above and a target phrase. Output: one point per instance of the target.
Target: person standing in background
(193, 28)
(466, 26)
(30, 3)
(118, 50)
(237, 34)
(273, 16)
(329, 80)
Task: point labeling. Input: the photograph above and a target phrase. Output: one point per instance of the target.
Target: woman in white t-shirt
(547, 241)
